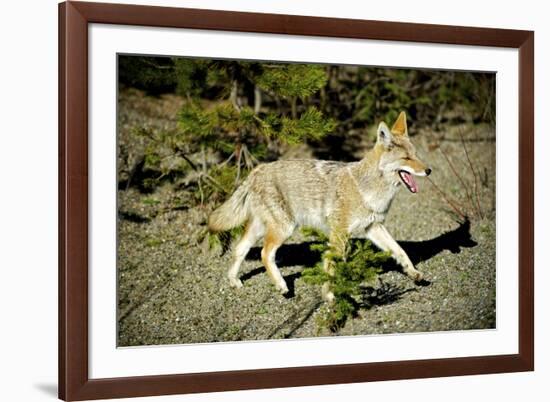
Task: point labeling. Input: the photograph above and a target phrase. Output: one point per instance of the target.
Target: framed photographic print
(258, 200)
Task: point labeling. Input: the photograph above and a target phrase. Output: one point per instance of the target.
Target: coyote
(341, 199)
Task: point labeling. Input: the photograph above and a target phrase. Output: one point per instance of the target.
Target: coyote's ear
(384, 135)
(400, 125)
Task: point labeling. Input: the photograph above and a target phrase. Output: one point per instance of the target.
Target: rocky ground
(173, 288)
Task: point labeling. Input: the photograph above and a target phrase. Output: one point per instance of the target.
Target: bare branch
(476, 189)
(452, 204)
(459, 178)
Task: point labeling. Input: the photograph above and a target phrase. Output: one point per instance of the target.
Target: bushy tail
(233, 212)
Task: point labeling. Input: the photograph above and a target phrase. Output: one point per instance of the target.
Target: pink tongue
(409, 179)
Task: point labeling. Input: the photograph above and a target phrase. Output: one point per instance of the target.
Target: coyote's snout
(338, 198)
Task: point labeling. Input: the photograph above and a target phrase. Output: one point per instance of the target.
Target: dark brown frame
(74, 383)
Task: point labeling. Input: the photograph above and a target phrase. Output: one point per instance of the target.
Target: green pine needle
(361, 265)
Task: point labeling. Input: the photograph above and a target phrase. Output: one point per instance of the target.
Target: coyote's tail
(233, 212)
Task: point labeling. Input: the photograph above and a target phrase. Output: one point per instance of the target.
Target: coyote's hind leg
(254, 230)
(273, 240)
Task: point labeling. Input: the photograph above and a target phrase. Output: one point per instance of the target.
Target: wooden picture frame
(74, 381)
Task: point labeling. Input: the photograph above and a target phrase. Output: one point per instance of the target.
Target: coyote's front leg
(380, 236)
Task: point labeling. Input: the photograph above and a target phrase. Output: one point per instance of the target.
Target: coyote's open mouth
(408, 181)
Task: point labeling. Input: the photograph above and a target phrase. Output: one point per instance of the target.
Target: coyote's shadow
(419, 251)
(290, 255)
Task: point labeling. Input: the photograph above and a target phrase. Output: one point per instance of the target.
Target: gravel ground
(173, 289)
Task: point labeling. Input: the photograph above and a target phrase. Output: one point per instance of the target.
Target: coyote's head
(398, 160)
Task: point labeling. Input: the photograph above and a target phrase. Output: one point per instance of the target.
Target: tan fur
(341, 199)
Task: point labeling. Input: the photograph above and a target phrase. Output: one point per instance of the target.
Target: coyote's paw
(283, 288)
(235, 283)
(416, 276)
(328, 296)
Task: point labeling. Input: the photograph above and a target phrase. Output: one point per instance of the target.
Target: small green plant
(152, 242)
(150, 201)
(360, 264)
